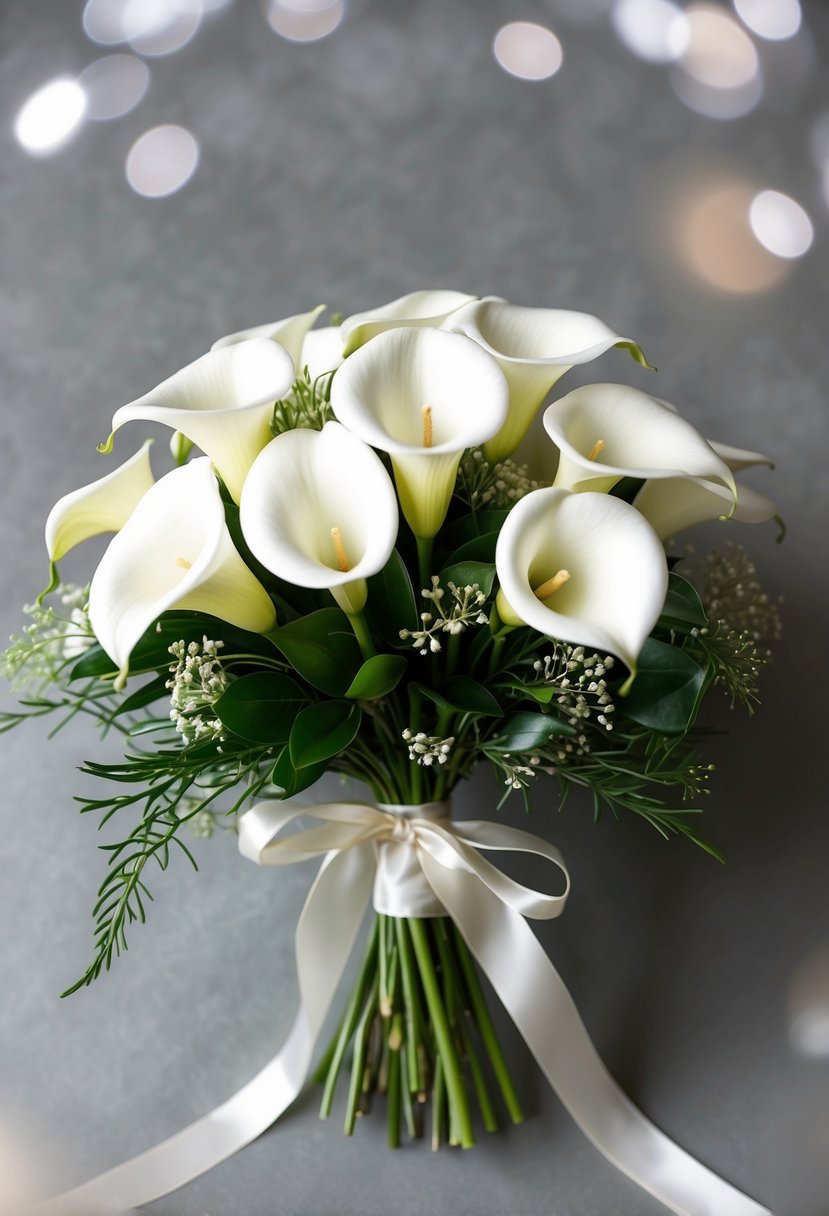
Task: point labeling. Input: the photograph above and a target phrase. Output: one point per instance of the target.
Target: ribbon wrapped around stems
(415, 862)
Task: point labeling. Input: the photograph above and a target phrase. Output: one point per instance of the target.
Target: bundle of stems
(419, 1031)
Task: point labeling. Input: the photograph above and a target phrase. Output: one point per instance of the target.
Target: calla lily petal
(534, 347)
(322, 351)
(290, 333)
(423, 396)
(608, 431)
(174, 551)
(102, 506)
(607, 559)
(319, 510)
(674, 503)
(739, 458)
(222, 402)
(418, 308)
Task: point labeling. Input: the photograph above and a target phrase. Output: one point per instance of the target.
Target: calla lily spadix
(222, 402)
(419, 309)
(174, 551)
(319, 350)
(584, 568)
(423, 396)
(672, 504)
(534, 347)
(104, 505)
(608, 431)
(318, 510)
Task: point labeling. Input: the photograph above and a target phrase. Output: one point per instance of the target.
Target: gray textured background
(392, 155)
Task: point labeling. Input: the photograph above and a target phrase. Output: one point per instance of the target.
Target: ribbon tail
(327, 929)
(539, 1003)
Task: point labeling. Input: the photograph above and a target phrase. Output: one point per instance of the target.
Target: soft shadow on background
(195, 167)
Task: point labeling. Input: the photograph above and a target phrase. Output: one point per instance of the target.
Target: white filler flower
(222, 402)
(104, 505)
(423, 396)
(419, 308)
(584, 568)
(174, 551)
(534, 347)
(319, 510)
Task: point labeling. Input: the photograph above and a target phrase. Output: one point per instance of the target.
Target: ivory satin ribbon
(414, 861)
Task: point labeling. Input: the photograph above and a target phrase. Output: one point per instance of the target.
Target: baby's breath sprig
(464, 609)
(307, 405)
(426, 749)
(196, 683)
(58, 634)
(735, 660)
(733, 595)
(580, 683)
(498, 486)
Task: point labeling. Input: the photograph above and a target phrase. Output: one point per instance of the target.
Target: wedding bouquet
(358, 576)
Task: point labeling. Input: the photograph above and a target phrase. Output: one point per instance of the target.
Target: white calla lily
(584, 568)
(222, 402)
(104, 505)
(289, 333)
(428, 308)
(608, 431)
(534, 347)
(319, 510)
(174, 551)
(672, 504)
(423, 396)
(322, 351)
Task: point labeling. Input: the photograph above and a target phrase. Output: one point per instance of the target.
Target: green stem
(424, 560)
(355, 1088)
(393, 1098)
(458, 1011)
(438, 1101)
(415, 771)
(349, 1023)
(411, 1004)
(486, 1029)
(459, 1106)
(362, 633)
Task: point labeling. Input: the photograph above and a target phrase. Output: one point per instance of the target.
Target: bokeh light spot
(714, 240)
(527, 50)
(305, 20)
(780, 224)
(114, 85)
(655, 30)
(775, 20)
(162, 160)
(51, 116)
(718, 73)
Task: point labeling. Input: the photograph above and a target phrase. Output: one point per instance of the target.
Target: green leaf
(682, 604)
(466, 574)
(377, 677)
(462, 694)
(666, 692)
(261, 707)
(481, 550)
(467, 527)
(323, 730)
(152, 691)
(525, 731)
(321, 648)
(152, 651)
(542, 693)
(391, 600)
(292, 781)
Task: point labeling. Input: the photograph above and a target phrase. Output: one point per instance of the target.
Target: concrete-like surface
(395, 154)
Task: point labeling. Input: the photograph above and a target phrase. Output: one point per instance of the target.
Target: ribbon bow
(416, 862)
